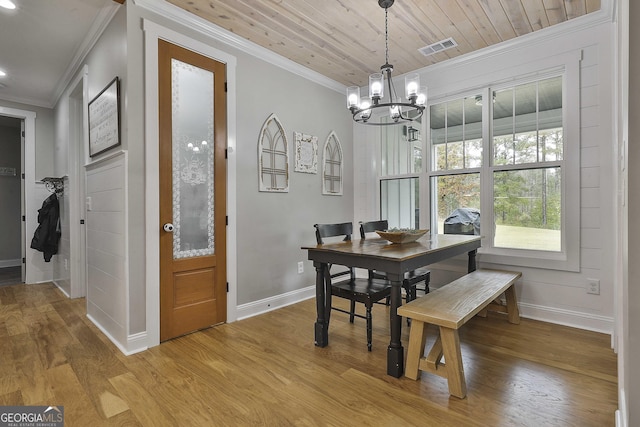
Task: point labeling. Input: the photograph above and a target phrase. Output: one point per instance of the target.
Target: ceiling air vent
(438, 46)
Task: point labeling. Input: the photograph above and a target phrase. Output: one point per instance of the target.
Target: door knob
(168, 227)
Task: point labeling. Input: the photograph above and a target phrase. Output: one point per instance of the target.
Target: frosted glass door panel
(192, 142)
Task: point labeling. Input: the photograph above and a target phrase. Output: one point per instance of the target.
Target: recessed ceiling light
(7, 4)
(2, 73)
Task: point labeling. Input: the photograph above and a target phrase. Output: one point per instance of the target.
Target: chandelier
(399, 109)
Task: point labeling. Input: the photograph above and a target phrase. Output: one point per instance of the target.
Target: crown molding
(209, 29)
(100, 23)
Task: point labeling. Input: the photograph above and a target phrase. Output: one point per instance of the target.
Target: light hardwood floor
(266, 371)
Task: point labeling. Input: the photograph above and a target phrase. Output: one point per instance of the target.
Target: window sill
(543, 260)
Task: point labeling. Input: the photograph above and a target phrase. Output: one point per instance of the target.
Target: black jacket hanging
(46, 237)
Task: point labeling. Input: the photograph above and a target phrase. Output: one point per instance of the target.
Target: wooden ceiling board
(499, 18)
(556, 13)
(517, 16)
(459, 19)
(308, 32)
(344, 40)
(483, 25)
(446, 28)
(536, 14)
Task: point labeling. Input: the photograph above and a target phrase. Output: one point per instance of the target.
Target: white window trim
(569, 258)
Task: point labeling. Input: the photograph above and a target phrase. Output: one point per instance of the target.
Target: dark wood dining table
(393, 259)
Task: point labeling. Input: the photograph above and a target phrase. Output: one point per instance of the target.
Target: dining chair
(366, 291)
(412, 278)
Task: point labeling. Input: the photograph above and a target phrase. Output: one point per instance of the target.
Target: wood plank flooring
(266, 371)
(10, 275)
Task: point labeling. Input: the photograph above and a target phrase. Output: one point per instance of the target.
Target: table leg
(395, 351)
(472, 261)
(322, 322)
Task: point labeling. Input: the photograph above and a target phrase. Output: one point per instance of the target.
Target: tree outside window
(522, 161)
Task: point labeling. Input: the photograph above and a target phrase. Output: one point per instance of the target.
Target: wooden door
(193, 139)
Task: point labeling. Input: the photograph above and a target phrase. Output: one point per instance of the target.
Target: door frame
(78, 113)
(152, 33)
(30, 205)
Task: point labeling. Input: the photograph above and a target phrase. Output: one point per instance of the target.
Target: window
(456, 143)
(510, 160)
(527, 148)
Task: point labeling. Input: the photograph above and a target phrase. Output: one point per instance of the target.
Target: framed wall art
(306, 153)
(104, 119)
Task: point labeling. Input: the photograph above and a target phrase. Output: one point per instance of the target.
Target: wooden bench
(450, 307)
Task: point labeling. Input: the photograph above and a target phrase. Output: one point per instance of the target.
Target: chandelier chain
(386, 35)
(399, 111)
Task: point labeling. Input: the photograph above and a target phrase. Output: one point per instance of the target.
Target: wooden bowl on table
(402, 236)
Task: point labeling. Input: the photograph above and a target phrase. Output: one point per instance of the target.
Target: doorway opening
(11, 208)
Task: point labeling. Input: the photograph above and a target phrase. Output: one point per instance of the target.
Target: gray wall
(273, 226)
(10, 249)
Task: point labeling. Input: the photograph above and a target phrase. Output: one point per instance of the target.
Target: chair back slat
(333, 230)
(371, 226)
(336, 230)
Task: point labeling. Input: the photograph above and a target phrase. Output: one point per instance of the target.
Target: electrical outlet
(300, 267)
(66, 264)
(593, 286)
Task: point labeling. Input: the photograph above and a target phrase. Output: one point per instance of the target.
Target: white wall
(550, 295)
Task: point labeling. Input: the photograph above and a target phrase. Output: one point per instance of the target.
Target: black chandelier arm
(355, 111)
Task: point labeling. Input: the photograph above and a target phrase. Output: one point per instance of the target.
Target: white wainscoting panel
(106, 228)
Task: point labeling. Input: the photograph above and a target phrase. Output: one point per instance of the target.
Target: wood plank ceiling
(345, 41)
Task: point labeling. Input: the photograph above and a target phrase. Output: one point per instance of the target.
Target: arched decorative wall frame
(273, 157)
(332, 166)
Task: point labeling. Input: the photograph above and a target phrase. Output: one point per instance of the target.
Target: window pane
(400, 201)
(456, 133)
(527, 124)
(452, 192)
(527, 209)
(473, 153)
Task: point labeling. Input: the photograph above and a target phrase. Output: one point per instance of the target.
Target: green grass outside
(509, 236)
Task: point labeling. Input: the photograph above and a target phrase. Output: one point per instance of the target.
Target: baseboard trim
(557, 316)
(589, 322)
(622, 416)
(4, 263)
(137, 342)
(61, 289)
(273, 303)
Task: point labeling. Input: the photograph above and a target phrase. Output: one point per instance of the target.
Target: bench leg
(417, 341)
(453, 362)
(512, 305)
